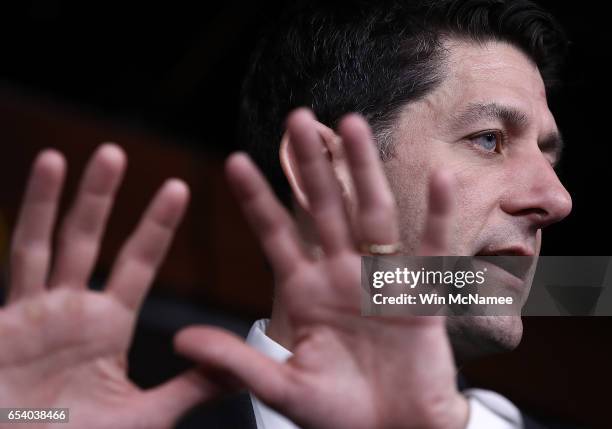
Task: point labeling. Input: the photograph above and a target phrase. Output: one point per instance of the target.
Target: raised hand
(347, 371)
(62, 345)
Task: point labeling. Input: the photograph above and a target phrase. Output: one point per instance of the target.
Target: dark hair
(373, 58)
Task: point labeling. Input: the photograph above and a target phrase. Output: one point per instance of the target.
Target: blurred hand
(62, 345)
(347, 371)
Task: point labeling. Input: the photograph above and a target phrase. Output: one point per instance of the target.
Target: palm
(367, 358)
(64, 346)
(346, 370)
(68, 362)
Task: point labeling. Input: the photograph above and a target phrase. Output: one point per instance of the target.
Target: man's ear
(331, 145)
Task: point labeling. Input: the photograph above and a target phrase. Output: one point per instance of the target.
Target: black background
(175, 68)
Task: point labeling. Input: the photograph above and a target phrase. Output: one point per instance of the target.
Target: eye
(490, 141)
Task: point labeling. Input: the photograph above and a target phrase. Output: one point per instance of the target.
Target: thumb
(222, 351)
(172, 399)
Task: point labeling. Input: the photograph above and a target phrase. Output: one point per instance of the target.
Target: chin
(476, 336)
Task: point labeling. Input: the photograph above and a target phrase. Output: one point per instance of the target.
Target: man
(457, 85)
(459, 112)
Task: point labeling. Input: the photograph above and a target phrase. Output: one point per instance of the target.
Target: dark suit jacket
(236, 412)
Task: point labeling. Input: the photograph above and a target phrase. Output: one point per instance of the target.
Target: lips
(515, 261)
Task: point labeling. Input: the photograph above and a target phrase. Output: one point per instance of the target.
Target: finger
(83, 227)
(320, 184)
(376, 218)
(267, 217)
(224, 352)
(435, 240)
(31, 246)
(143, 253)
(174, 398)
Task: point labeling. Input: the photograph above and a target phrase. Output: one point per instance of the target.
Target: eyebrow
(474, 112)
(512, 117)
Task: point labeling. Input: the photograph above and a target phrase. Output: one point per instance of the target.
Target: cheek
(475, 193)
(476, 201)
(409, 184)
(408, 172)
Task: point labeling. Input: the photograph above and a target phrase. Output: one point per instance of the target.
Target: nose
(536, 192)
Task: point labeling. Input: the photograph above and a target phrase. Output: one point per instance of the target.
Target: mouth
(516, 261)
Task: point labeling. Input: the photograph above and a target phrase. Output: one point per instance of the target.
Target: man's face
(489, 124)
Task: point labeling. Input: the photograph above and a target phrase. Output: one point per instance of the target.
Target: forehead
(491, 72)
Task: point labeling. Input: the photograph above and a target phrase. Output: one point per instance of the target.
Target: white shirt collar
(265, 417)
